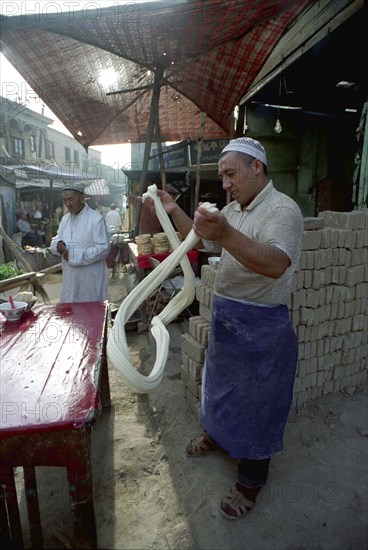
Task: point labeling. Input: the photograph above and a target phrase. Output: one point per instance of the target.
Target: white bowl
(13, 314)
(214, 261)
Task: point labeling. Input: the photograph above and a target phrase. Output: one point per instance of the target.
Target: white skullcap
(74, 187)
(247, 145)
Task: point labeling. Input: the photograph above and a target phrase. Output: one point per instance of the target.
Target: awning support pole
(199, 157)
(147, 148)
(160, 154)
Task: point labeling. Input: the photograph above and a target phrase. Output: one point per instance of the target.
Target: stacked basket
(144, 244)
(160, 243)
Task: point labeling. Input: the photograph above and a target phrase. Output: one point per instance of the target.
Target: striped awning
(97, 187)
(211, 52)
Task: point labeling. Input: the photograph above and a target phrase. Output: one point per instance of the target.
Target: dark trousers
(253, 473)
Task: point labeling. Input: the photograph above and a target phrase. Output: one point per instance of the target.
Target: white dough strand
(117, 348)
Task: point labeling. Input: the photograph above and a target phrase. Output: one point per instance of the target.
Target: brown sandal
(201, 445)
(236, 505)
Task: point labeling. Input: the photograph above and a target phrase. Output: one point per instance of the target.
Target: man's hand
(167, 200)
(259, 257)
(208, 225)
(62, 249)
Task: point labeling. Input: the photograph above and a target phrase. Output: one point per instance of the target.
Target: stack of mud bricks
(328, 309)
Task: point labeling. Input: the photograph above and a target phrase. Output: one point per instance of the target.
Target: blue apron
(248, 377)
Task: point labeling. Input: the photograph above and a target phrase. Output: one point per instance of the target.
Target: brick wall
(328, 309)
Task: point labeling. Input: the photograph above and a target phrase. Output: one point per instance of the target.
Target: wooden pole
(151, 125)
(199, 155)
(362, 189)
(160, 155)
(147, 148)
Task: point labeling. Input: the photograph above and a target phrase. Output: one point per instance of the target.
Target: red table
(54, 380)
(144, 263)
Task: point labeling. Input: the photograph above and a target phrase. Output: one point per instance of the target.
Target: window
(14, 124)
(17, 147)
(68, 154)
(49, 149)
(32, 142)
(76, 157)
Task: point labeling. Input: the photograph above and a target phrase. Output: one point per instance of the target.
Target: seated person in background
(149, 222)
(39, 223)
(58, 215)
(30, 235)
(113, 220)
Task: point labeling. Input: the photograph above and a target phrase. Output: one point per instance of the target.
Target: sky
(11, 80)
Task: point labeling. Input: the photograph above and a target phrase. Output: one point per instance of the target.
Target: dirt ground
(149, 495)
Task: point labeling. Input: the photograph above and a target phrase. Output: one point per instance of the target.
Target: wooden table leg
(30, 484)
(104, 380)
(4, 525)
(81, 494)
(9, 507)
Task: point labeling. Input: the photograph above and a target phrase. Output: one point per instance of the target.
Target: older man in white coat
(83, 243)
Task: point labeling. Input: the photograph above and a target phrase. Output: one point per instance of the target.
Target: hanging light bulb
(236, 116)
(278, 128)
(245, 125)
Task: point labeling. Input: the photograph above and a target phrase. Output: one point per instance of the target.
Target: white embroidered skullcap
(74, 187)
(247, 145)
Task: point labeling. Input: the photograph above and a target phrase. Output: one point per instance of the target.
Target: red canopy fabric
(211, 51)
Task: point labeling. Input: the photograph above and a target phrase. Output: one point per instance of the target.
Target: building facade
(38, 160)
